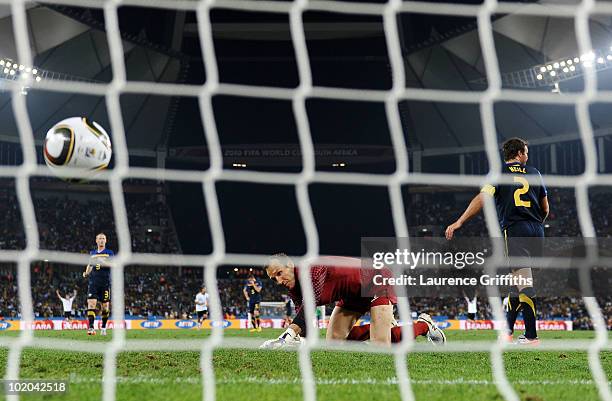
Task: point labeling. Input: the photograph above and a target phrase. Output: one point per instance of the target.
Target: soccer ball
(77, 145)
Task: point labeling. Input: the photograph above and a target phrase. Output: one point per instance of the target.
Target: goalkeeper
(340, 280)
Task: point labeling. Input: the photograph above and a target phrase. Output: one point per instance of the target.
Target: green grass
(265, 376)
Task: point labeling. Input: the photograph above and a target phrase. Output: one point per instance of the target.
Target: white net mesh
(300, 181)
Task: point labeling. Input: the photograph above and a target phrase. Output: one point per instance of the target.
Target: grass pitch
(254, 375)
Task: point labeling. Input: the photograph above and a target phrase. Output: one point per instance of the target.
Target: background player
(521, 210)
(472, 305)
(252, 293)
(67, 304)
(332, 281)
(201, 306)
(98, 289)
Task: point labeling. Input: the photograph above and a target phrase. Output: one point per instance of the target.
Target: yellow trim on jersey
(524, 298)
(506, 241)
(488, 189)
(517, 169)
(100, 255)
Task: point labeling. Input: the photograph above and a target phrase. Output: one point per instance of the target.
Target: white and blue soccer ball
(77, 145)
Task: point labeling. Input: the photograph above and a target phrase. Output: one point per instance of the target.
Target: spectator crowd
(70, 224)
(169, 293)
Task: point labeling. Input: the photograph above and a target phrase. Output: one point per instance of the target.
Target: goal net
(298, 96)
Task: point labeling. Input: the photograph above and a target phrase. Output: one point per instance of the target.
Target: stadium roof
(56, 39)
(441, 53)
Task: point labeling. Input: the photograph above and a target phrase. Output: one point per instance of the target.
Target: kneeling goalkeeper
(339, 280)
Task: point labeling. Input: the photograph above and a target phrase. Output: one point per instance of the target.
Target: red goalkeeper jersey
(344, 281)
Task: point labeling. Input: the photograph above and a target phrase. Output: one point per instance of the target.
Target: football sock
(362, 333)
(527, 299)
(105, 314)
(253, 321)
(359, 333)
(396, 334)
(513, 308)
(258, 322)
(91, 315)
(419, 328)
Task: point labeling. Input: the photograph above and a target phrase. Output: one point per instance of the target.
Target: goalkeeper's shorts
(363, 305)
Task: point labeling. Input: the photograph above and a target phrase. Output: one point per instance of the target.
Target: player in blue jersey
(98, 289)
(252, 293)
(521, 209)
(288, 311)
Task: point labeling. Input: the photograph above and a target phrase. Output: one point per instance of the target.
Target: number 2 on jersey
(520, 191)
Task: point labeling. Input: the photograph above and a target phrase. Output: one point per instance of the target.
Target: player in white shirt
(201, 306)
(67, 303)
(472, 305)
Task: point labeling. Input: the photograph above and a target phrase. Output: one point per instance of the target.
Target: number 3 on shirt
(98, 266)
(520, 191)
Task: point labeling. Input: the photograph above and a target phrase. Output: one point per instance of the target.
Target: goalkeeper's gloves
(288, 339)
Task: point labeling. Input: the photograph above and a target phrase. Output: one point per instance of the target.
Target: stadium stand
(168, 292)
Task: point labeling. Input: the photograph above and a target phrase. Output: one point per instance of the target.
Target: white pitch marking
(74, 379)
